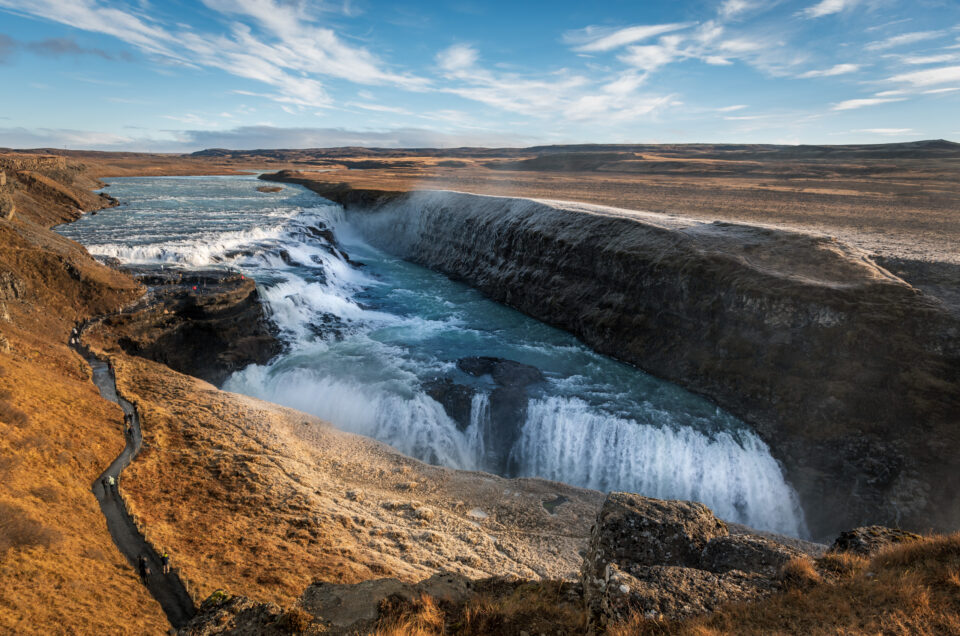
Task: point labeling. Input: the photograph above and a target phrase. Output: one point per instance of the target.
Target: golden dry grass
(58, 564)
(499, 607)
(59, 569)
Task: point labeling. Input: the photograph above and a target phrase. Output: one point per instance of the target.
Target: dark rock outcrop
(672, 559)
(205, 324)
(456, 399)
(871, 539)
(851, 375)
(508, 405)
(747, 553)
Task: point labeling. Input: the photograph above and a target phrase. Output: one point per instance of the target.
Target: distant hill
(928, 149)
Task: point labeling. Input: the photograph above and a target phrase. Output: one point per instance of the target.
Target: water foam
(732, 472)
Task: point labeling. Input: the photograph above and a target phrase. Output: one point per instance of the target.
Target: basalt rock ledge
(207, 324)
(850, 374)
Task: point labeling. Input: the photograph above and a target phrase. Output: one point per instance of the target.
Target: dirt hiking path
(168, 589)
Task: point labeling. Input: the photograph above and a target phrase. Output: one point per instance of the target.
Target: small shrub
(841, 564)
(13, 416)
(421, 617)
(294, 621)
(799, 573)
(218, 597)
(46, 493)
(19, 530)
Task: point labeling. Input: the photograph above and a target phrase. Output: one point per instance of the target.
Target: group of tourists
(143, 565)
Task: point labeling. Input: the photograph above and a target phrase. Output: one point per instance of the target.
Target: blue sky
(177, 75)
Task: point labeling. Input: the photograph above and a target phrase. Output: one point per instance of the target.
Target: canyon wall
(851, 375)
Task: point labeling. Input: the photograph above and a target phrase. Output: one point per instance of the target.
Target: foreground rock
(204, 324)
(851, 375)
(870, 540)
(672, 559)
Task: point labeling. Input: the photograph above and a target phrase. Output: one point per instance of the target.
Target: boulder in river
(508, 405)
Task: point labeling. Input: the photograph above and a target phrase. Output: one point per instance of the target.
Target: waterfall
(732, 472)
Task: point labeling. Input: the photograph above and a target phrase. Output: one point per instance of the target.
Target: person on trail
(142, 566)
(112, 482)
(165, 562)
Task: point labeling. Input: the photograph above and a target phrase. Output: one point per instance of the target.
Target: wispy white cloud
(838, 69)
(380, 108)
(929, 77)
(457, 57)
(828, 7)
(650, 57)
(275, 43)
(730, 9)
(60, 137)
(611, 98)
(885, 131)
(929, 59)
(192, 119)
(595, 39)
(903, 39)
(730, 109)
(851, 104)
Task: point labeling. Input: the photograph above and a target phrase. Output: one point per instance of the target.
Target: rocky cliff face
(204, 324)
(849, 373)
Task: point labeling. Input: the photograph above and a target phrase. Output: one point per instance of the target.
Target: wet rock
(456, 399)
(269, 188)
(508, 405)
(205, 324)
(506, 373)
(870, 539)
(288, 260)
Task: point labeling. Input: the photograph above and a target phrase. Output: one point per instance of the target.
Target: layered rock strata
(207, 324)
(850, 374)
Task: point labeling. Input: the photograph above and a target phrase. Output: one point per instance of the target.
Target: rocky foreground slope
(652, 567)
(849, 373)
